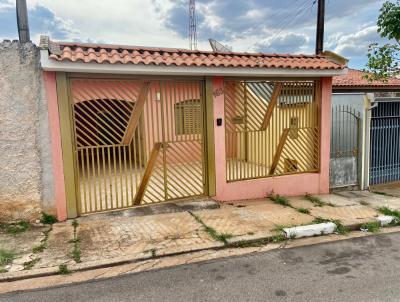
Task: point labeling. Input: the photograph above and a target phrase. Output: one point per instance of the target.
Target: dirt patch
(19, 210)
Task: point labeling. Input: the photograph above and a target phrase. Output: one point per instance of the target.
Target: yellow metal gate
(137, 142)
(272, 128)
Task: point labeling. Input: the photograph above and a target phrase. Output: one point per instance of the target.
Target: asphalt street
(361, 269)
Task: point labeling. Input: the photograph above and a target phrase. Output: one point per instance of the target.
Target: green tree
(384, 60)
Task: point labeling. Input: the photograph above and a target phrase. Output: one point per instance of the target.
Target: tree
(384, 60)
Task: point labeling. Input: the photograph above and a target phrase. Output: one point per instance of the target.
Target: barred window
(188, 117)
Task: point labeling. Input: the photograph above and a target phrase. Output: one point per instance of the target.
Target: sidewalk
(107, 240)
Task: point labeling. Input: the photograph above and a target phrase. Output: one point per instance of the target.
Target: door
(137, 142)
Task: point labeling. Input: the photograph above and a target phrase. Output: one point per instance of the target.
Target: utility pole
(319, 46)
(192, 25)
(22, 21)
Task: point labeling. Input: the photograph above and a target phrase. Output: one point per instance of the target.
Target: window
(188, 117)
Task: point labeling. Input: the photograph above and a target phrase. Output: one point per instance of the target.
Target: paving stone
(263, 216)
(347, 215)
(22, 243)
(141, 235)
(392, 189)
(337, 200)
(58, 247)
(300, 202)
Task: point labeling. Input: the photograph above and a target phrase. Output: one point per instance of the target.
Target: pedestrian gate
(137, 142)
(345, 142)
(385, 142)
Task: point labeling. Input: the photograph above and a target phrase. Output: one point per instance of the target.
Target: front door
(137, 142)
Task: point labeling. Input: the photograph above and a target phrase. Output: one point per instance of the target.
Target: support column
(56, 149)
(325, 133)
(66, 128)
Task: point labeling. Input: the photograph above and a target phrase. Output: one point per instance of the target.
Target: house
(365, 131)
(134, 126)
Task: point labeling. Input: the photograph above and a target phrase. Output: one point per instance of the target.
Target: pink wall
(290, 185)
(56, 150)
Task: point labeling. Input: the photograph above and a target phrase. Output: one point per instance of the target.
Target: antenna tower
(192, 25)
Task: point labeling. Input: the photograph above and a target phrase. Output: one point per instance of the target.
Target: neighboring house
(365, 138)
(132, 126)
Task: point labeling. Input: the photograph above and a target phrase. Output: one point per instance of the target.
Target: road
(361, 269)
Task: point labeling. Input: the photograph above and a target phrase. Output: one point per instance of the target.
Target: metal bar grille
(129, 147)
(385, 143)
(272, 128)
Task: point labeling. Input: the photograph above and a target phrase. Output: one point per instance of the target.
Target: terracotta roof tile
(119, 54)
(354, 78)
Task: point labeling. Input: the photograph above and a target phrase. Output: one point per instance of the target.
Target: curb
(81, 267)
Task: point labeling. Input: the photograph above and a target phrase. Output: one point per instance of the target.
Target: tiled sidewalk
(109, 240)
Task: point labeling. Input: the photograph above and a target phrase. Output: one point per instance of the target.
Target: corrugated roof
(122, 54)
(354, 78)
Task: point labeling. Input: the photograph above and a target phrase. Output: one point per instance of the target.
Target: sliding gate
(137, 142)
(385, 142)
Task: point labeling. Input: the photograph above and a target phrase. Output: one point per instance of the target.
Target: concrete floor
(109, 189)
(360, 269)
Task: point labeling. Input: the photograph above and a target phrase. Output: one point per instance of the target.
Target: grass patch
(39, 248)
(30, 264)
(389, 212)
(259, 242)
(43, 243)
(373, 226)
(364, 203)
(276, 198)
(6, 257)
(15, 228)
(63, 269)
(211, 231)
(303, 210)
(48, 219)
(152, 251)
(317, 201)
(76, 251)
(76, 255)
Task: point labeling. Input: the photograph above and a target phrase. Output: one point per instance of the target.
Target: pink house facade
(132, 126)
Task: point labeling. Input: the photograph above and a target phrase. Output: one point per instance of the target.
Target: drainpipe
(22, 21)
(369, 104)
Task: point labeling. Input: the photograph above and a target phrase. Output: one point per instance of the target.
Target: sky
(273, 26)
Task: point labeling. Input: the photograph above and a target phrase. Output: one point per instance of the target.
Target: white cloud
(6, 4)
(355, 44)
(134, 22)
(285, 42)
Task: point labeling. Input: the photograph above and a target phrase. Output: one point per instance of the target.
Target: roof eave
(365, 88)
(48, 64)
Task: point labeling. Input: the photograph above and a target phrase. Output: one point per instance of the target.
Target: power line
(290, 20)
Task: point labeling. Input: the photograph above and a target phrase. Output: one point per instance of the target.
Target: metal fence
(385, 143)
(272, 128)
